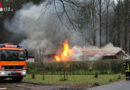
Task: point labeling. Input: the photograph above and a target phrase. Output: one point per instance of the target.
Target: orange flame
(57, 58)
(65, 54)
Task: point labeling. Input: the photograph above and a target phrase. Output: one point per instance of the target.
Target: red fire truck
(13, 62)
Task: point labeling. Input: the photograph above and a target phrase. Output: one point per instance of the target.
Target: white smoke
(111, 48)
(76, 52)
(107, 50)
(42, 27)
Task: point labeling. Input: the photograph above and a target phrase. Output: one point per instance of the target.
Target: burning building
(78, 53)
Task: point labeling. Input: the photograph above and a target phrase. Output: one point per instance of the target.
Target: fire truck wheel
(17, 79)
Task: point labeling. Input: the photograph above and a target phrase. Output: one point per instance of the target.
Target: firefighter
(127, 69)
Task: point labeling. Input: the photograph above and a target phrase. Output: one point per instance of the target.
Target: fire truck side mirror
(26, 53)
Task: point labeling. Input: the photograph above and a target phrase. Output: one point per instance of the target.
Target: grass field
(75, 79)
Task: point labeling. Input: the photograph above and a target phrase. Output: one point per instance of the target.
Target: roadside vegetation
(81, 72)
(78, 67)
(75, 79)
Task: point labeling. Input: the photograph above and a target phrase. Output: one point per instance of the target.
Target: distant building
(90, 53)
(104, 54)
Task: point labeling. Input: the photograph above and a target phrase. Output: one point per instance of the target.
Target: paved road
(10, 85)
(121, 85)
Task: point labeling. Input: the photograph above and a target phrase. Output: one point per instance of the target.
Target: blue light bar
(2, 45)
(19, 46)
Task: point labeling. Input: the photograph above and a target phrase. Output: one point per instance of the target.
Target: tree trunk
(100, 22)
(107, 25)
(125, 26)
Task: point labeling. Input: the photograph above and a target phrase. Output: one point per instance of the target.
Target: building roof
(108, 50)
(100, 52)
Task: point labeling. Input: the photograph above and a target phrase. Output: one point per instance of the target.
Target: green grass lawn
(74, 79)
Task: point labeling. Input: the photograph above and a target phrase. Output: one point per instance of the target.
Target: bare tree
(100, 21)
(107, 16)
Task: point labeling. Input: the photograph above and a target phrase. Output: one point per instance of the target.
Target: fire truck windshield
(12, 55)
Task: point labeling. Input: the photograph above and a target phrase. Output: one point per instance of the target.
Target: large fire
(65, 53)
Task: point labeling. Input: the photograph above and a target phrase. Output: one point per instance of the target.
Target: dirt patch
(27, 86)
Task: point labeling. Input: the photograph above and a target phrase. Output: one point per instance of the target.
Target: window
(12, 55)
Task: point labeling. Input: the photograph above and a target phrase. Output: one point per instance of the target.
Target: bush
(78, 67)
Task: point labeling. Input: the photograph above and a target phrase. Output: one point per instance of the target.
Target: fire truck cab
(12, 62)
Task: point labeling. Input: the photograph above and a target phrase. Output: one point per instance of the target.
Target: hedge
(77, 67)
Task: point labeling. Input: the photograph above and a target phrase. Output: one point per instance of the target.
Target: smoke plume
(43, 29)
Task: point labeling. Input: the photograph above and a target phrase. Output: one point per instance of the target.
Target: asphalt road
(38, 86)
(121, 85)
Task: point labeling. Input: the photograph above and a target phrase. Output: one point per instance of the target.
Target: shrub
(78, 67)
